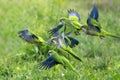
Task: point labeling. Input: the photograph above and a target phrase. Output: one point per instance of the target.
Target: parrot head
(25, 35)
(49, 52)
(22, 33)
(54, 41)
(63, 20)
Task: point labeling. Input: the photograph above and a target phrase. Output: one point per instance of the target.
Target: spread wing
(74, 42)
(73, 15)
(48, 63)
(94, 13)
(92, 20)
(56, 29)
(26, 36)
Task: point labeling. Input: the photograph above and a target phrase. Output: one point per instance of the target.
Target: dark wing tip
(48, 63)
(94, 12)
(74, 42)
(55, 30)
(72, 12)
(23, 31)
(34, 36)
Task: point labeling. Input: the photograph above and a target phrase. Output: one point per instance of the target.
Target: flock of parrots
(60, 44)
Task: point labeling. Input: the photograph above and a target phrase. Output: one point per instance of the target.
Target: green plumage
(55, 59)
(72, 21)
(68, 49)
(93, 26)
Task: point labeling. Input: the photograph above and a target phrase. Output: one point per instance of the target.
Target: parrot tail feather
(115, 36)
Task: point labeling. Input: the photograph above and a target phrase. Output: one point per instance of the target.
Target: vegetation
(19, 60)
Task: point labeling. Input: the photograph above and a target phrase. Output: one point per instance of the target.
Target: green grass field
(18, 60)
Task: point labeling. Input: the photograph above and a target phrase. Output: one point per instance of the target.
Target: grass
(18, 60)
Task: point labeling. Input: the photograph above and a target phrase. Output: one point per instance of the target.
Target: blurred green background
(101, 57)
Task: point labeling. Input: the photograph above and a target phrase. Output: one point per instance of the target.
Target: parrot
(41, 46)
(30, 38)
(93, 26)
(72, 22)
(68, 49)
(60, 43)
(55, 59)
(68, 40)
(71, 52)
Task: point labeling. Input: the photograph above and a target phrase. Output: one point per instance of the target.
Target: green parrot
(93, 26)
(66, 37)
(55, 59)
(70, 23)
(73, 19)
(41, 46)
(60, 42)
(69, 50)
(30, 37)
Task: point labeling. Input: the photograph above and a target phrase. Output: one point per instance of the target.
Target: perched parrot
(93, 26)
(55, 59)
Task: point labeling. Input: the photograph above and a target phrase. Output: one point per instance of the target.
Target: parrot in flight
(70, 51)
(61, 43)
(72, 22)
(73, 19)
(55, 59)
(41, 46)
(68, 40)
(93, 26)
(30, 37)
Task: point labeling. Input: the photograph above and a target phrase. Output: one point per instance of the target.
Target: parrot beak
(22, 32)
(49, 52)
(19, 34)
